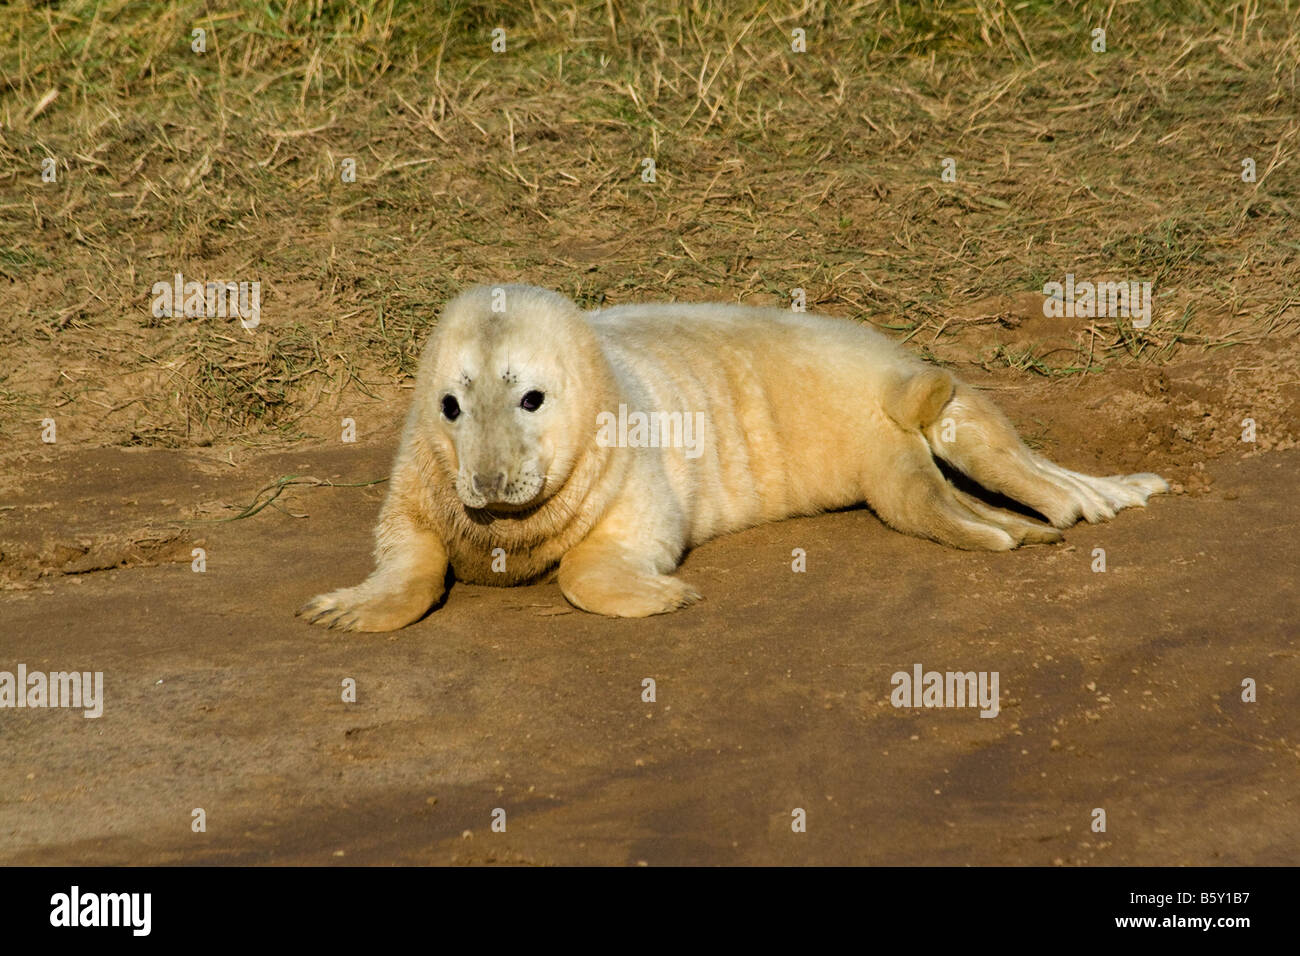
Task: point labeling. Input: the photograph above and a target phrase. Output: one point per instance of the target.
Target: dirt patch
(1120, 690)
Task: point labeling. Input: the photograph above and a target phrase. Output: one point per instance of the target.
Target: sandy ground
(1119, 690)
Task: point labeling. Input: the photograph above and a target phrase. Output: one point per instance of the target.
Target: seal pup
(608, 443)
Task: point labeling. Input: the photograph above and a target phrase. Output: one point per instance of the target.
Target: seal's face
(496, 419)
(506, 406)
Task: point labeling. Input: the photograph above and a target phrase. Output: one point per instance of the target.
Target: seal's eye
(531, 401)
(450, 407)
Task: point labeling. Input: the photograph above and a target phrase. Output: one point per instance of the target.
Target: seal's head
(514, 374)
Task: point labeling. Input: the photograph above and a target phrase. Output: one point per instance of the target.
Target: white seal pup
(608, 443)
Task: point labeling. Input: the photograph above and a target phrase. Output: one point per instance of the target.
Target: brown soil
(1120, 690)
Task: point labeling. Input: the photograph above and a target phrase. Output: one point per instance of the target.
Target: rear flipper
(916, 498)
(970, 434)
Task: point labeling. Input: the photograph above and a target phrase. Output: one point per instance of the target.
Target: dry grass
(775, 170)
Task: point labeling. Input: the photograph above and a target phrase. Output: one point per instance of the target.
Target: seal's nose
(489, 488)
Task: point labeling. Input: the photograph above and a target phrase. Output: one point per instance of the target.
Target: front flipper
(605, 577)
(410, 577)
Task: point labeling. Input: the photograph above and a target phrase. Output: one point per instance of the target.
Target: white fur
(803, 413)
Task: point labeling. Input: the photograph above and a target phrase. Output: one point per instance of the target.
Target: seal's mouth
(492, 513)
(521, 497)
(503, 508)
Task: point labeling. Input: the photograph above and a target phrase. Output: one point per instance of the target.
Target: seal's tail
(915, 398)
